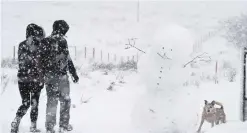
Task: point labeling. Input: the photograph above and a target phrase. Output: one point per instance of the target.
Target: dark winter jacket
(30, 68)
(56, 57)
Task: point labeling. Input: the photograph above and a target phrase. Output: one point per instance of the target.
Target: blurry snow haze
(108, 24)
(162, 96)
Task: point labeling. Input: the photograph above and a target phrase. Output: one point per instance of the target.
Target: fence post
(93, 53)
(216, 71)
(121, 59)
(85, 52)
(101, 55)
(115, 57)
(108, 57)
(133, 58)
(14, 53)
(137, 58)
(75, 52)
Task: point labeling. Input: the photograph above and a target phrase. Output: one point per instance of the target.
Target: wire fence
(92, 54)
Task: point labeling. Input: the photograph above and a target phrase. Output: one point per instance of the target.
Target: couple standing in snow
(45, 62)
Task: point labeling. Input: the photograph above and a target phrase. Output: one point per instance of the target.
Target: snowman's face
(164, 51)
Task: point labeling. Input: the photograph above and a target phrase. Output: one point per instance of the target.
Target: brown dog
(212, 115)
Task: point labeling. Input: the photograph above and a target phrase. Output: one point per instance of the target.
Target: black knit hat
(60, 27)
(34, 30)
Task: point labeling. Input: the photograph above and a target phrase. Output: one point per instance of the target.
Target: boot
(50, 128)
(15, 125)
(69, 127)
(50, 131)
(66, 129)
(62, 130)
(33, 127)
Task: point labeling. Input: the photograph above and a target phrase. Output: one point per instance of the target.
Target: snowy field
(162, 96)
(109, 111)
(127, 107)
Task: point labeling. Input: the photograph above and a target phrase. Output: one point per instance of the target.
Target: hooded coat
(29, 61)
(56, 58)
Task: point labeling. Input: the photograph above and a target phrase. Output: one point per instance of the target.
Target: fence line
(85, 54)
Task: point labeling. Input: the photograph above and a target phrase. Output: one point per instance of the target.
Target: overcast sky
(109, 23)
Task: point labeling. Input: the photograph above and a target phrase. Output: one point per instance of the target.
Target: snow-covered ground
(168, 104)
(150, 101)
(129, 108)
(233, 127)
(105, 111)
(156, 99)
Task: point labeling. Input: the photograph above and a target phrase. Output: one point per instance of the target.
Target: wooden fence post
(216, 71)
(108, 57)
(93, 53)
(85, 52)
(14, 53)
(75, 52)
(121, 59)
(137, 58)
(101, 55)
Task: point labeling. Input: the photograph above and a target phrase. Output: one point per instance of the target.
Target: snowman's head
(174, 42)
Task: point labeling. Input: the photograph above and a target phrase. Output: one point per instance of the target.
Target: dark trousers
(30, 93)
(58, 90)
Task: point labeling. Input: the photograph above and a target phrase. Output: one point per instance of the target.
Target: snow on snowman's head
(175, 41)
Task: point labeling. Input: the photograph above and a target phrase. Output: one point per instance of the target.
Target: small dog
(212, 115)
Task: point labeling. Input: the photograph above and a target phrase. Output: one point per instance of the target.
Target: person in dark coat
(30, 76)
(57, 62)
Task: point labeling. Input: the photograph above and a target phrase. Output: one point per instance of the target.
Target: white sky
(107, 25)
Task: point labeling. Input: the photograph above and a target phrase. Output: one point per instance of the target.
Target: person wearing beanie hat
(57, 62)
(30, 76)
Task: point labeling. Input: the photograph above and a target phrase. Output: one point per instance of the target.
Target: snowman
(163, 74)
